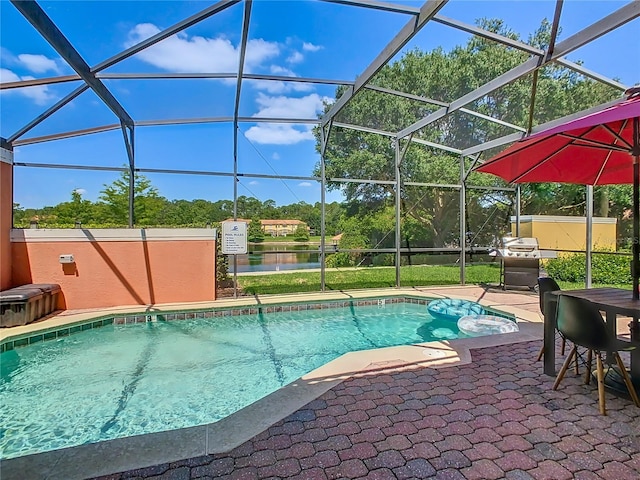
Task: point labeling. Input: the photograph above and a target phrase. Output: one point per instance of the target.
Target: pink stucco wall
(141, 268)
(6, 212)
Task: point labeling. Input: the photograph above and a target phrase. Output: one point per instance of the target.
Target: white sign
(234, 238)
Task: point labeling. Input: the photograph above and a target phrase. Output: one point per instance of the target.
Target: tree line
(151, 209)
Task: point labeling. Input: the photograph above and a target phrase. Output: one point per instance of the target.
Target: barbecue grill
(520, 262)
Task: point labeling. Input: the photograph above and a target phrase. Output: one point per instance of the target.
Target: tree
(430, 214)
(149, 206)
(249, 207)
(301, 233)
(19, 215)
(254, 230)
(75, 211)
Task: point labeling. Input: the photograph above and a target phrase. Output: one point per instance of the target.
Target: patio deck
(494, 418)
(492, 415)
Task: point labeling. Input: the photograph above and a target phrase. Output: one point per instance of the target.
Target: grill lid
(518, 247)
(520, 244)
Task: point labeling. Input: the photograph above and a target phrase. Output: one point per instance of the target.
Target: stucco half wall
(118, 266)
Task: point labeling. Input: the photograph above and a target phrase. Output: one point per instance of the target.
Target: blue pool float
(452, 309)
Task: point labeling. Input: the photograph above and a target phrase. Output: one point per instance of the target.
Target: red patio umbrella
(600, 148)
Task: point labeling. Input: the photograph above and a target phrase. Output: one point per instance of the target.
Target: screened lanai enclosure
(376, 113)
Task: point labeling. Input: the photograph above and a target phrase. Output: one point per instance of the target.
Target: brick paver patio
(494, 418)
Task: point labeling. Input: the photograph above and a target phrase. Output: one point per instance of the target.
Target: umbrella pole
(635, 267)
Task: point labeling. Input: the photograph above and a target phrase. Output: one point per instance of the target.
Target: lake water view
(273, 257)
(279, 256)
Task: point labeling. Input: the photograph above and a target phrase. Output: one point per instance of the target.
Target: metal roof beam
(514, 137)
(184, 121)
(50, 32)
(442, 104)
(525, 47)
(481, 32)
(427, 11)
(158, 37)
(169, 76)
(373, 4)
(384, 133)
(591, 74)
(35, 82)
(160, 123)
(243, 51)
(50, 111)
(282, 78)
(250, 76)
(163, 76)
(70, 134)
(618, 18)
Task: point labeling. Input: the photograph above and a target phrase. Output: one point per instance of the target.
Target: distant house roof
(282, 222)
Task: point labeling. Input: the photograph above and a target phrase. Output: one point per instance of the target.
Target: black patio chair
(581, 323)
(548, 284)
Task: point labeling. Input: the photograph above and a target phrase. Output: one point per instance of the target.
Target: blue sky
(291, 38)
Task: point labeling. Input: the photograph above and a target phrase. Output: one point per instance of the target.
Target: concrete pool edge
(130, 453)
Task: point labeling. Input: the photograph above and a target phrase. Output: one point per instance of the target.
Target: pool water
(123, 380)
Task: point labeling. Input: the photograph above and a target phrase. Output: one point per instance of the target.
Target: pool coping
(141, 451)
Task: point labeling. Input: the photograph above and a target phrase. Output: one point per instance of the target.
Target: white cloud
(259, 50)
(40, 94)
(285, 107)
(278, 134)
(289, 107)
(275, 156)
(8, 76)
(277, 87)
(81, 191)
(254, 182)
(285, 72)
(295, 57)
(305, 184)
(310, 47)
(38, 63)
(184, 53)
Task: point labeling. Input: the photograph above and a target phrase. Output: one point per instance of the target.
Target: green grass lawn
(370, 277)
(376, 277)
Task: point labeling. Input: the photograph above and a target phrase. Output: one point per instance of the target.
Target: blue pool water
(123, 380)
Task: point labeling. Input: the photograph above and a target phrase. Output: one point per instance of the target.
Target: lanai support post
(400, 154)
(398, 161)
(589, 235)
(127, 132)
(325, 130)
(236, 109)
(463, 226)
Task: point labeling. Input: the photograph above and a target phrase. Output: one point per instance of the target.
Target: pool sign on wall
(234, 238)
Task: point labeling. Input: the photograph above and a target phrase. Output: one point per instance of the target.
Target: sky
(291, 38)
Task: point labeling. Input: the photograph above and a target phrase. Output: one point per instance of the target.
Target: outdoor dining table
(614, 302)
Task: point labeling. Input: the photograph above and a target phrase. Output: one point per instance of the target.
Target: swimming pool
(124, 380)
